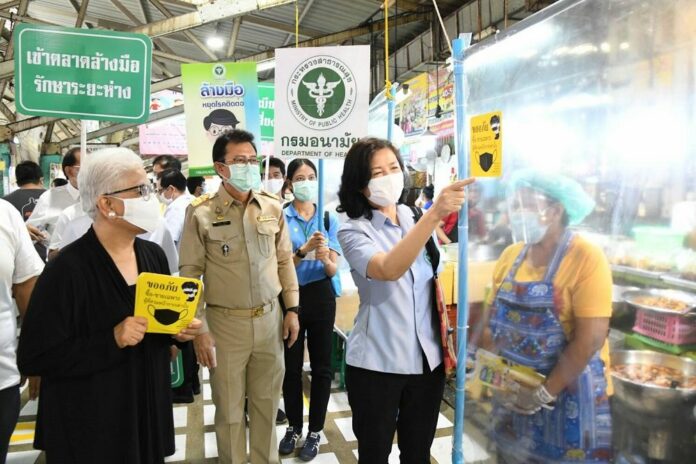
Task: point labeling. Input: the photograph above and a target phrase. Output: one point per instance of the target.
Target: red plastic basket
(669, 328)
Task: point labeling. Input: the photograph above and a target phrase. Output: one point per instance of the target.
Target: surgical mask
(527, 227)
(306, 190)
(143, 214)
(386, 190)
(164, 200)
(273, 185)
(244, 177)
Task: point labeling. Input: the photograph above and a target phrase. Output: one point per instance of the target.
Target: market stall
(601, 93)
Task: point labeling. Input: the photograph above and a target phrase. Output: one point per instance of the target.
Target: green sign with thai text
(82, 73)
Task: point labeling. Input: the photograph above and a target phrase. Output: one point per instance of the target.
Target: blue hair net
(576, 202)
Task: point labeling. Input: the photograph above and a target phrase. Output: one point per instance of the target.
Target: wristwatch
(299, 253)
(294, 309)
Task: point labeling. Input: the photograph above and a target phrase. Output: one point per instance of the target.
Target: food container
(650, 399)
(637, 299)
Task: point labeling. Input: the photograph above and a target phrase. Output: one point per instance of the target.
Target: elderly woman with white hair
(105, 390)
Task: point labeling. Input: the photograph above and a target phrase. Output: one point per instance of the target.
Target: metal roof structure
(249, 30)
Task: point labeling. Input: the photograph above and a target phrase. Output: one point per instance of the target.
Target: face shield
(528, 212)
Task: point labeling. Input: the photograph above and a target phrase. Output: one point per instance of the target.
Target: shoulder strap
(327, 222)
(430, 246)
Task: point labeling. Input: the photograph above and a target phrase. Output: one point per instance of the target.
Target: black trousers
(317, 318)
(9, 412)
(383, 403)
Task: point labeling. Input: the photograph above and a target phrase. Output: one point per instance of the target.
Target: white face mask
(527, 227)
(386, 190)
(143, 214)
(273, 185)
(164, 200)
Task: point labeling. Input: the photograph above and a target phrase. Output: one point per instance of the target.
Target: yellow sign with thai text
(486, 153)
(168, 303)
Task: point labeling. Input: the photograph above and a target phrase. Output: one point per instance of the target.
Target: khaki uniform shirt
(243, 252)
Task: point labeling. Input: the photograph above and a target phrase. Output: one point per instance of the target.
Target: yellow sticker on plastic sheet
(486, 145)
(169, 303)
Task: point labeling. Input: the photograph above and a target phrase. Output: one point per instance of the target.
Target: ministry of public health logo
(219, 71)
(322, 92)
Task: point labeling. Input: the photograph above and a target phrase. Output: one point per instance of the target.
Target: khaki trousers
(250, 364)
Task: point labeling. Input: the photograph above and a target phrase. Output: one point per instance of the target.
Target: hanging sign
(168, 303)
(82, 73)
(322, 100)
(217, 97)
(486, 153)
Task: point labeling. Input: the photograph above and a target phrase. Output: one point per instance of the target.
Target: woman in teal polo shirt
(315, 262)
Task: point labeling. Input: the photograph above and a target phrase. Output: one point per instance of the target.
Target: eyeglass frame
(150, 189)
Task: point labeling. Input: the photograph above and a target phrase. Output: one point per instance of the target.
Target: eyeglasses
(243, 160)
(145, 190)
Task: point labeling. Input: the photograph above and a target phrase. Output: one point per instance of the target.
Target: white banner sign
(321, 102)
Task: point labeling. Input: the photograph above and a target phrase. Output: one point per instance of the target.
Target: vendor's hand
(190, 332)
(34, 387)
(451, 198)
(291, 328)
(36, 234)
(315, 241)
(130, 331)
(322, 254)
(204, 346)
(529, 401)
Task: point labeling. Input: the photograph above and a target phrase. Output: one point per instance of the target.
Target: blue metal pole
(459, 46)
(320, 200)
(390, 113)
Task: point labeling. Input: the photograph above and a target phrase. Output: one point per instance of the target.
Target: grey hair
(102, 172)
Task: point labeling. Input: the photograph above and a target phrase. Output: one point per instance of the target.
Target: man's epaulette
(269, 195)
(202, 199)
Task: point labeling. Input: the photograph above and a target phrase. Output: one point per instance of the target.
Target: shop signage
(217, 97)
(322, 100)
(486, 153)
(267, 118)
(82, 73)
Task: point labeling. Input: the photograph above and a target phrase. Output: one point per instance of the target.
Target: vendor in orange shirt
(550, 311)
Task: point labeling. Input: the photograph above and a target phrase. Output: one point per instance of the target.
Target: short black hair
(275, 163)
(28, 172)
(192, 183)
(174, 178)
(167, 162)
(59, 182)
(296, 164)
(234, 136)
(357, 174)
(70, 159)
(429, 191)
(221, 117)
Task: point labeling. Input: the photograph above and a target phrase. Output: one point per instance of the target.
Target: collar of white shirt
(74, 193)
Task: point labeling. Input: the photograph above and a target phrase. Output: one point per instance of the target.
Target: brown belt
(254, 312)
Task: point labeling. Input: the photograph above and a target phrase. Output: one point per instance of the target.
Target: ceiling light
(624, 46)
(214, 42)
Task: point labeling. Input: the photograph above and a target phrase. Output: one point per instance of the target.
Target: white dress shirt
(175, 214)
(50, 206)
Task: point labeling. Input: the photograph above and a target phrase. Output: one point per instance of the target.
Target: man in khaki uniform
(238, 241)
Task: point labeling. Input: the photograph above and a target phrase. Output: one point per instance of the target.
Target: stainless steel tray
(630, 297)
(676, 280)
(637, 272)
